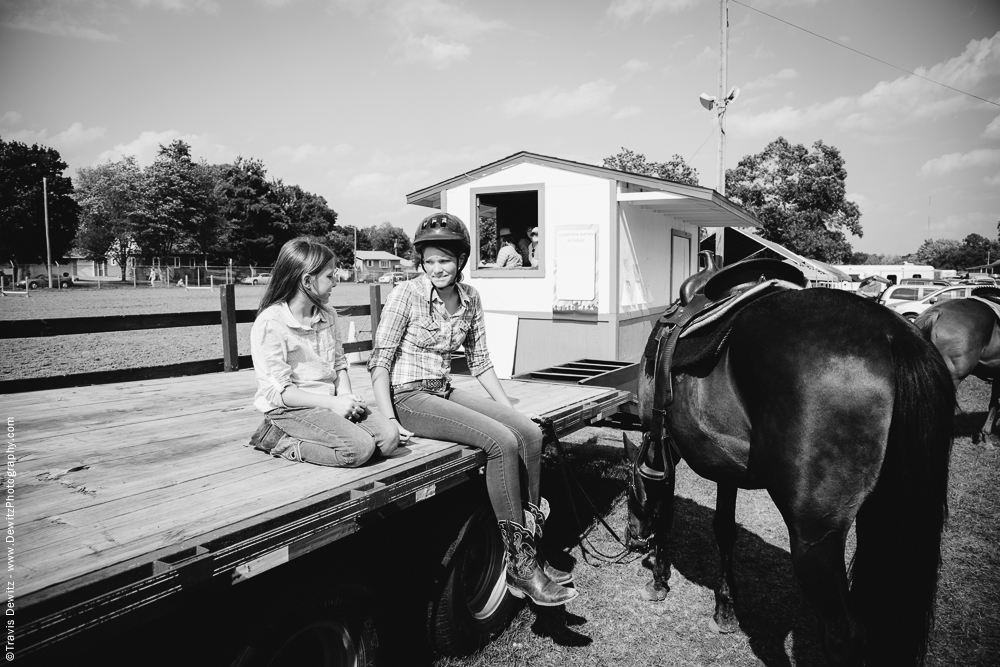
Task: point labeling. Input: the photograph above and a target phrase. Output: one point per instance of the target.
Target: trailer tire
(471, 604)
(339, 630)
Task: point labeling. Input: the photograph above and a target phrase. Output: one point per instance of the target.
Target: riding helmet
(446, 230)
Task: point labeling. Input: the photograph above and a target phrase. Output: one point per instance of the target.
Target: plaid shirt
(416, 336)
(286, 353)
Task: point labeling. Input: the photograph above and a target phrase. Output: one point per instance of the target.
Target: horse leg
(820, 570)
(657, 589)
(724, 524)
(991, 417)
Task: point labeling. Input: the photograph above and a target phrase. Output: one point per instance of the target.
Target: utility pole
(721, 107)
(720, 103)
(48, 249)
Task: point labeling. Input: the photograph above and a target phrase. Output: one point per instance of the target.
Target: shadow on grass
(769, 603)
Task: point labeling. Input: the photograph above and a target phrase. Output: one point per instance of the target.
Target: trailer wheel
(471, 604)
(340, 631)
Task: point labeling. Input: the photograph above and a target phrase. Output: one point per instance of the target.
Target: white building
(614, 250)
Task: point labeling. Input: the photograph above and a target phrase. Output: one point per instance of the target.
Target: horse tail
(895, 568)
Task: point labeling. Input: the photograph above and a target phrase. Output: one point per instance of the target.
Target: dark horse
(967, 333)
(842, 411)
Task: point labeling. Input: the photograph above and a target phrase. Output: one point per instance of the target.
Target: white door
(680, 263)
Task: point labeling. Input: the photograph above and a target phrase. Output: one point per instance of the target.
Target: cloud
(771, 80)
(85, 19)
(635, 66)
(207, 6)
(62, 18)
(907, 99)
(626, 10)
(626, 112)
(993, 181)
(148, 143)
(992, 130)
(72, 137)
(707, 54)
(10, 118)
(310, 152)
(946, 164)
(435, 32)
(557, 102)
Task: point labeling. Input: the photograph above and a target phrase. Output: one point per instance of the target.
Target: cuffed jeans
(512, 442)
(316, 435)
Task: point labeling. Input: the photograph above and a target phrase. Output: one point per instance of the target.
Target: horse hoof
(728, 626)
(655, 592)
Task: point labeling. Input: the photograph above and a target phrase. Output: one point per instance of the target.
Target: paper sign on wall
(576, 272)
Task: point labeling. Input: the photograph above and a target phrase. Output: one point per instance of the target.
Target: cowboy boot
(540, 513)
(524, 575)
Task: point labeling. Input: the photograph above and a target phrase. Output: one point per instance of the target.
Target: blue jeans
(512, 442)
(316, 435)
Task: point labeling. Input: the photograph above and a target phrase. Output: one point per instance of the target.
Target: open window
(503, 241)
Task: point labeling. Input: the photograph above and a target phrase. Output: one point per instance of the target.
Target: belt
(430, 385)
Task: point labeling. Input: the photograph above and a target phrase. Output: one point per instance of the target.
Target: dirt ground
(59, 355)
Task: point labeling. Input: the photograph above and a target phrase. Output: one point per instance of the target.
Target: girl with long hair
(310, 411)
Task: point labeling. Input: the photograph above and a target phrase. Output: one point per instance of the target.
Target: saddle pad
(989, 302)
(703, 341)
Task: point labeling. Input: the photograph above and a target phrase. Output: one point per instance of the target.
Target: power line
(862, 53)
(714, 126)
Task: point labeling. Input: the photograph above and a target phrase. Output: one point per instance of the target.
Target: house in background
(369, 265)
(613, 250)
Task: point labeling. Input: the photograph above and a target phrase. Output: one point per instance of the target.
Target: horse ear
(631, 449)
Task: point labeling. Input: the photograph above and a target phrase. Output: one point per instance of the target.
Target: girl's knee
(363, 451)
(387, 439)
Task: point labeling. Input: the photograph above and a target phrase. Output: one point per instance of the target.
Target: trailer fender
(470, 604)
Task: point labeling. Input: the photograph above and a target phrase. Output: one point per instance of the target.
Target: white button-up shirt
(287, 353)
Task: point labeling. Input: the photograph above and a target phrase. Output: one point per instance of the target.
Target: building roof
(691, 203)
(376, 254)
(740, 244)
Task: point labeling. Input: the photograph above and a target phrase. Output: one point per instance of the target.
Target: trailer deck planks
(128, 493)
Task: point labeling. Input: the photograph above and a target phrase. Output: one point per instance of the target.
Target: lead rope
(586, 546)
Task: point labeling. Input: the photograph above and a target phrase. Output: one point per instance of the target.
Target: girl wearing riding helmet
(423, 322)
(303, 389)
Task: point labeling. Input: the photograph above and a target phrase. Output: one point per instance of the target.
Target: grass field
(609, 624)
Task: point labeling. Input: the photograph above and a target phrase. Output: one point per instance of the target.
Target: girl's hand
(404, 434)
(348, 406)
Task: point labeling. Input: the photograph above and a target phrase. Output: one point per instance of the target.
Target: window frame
(492, 272)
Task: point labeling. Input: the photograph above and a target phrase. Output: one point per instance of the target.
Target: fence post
(230, 349)
(375, 298)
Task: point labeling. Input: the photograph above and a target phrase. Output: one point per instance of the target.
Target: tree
(181, 209)
(675, 169)
(110, 199)
(341, 241)
(307, 214)
(872, 259)
(22, 213)
(388, 238)
(254, 224)
(799, 196)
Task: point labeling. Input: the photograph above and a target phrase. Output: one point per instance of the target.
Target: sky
(364, 101)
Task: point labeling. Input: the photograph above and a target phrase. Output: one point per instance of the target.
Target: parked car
(394, 277)
(259, 279)
(923, 281)
(42, 280)
(895, 294)
(910, 309)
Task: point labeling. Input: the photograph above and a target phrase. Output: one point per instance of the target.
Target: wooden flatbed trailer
(129, 496)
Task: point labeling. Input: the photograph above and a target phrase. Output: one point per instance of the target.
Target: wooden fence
(227, 316)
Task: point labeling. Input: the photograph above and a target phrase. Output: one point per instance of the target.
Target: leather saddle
(711, 291)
